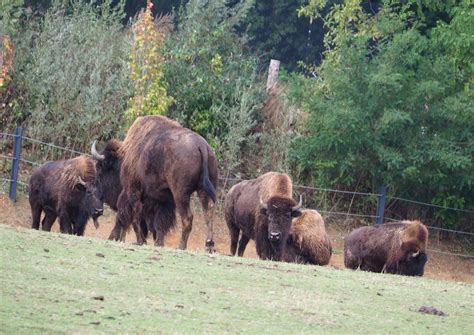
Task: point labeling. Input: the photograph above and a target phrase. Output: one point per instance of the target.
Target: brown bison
(262, 209)
(308, 241)
(157, 217)
(398, 248)
(159, 165)
(64, 189)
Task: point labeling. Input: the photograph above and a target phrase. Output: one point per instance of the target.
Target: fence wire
(301, 187)
(431, 205)
(53, 146)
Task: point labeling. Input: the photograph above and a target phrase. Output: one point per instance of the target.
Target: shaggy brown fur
(64, 189)
(162, 162)
(77, 170)
(268, 226)
(398, 248)
(308, 241)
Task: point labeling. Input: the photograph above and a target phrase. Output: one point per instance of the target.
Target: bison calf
(64, 189)
(308, 241)
(398, 248)
(262, 209)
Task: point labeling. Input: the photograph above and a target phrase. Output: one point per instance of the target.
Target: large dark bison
(262, 209)
(64, 189)
(155, 170)
(308, 242)
(398, 248)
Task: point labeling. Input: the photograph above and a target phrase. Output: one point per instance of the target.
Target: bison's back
(309, 242)
(42, 187)
(370, 248)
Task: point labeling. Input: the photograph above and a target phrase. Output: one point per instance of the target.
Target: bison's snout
(98, 212)
(274, 237)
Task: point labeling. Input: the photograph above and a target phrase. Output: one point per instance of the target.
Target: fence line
(431, 205)
(451, 230)
(240, 179)
(54, 146)
(5, 156)
(450, 253)
(348, 214)
(314, 188)
(10, 180)
(7, 134)
(29, 162)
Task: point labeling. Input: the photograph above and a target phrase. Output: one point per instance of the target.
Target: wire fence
(36, 152)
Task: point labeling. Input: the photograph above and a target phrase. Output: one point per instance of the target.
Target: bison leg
(118, 232)
(243, 244)
(234, 238)
(184, 211)
(36, 217)
(208, 216)
(48, 221)
(65, 225)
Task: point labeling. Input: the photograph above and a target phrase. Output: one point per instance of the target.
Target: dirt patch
(439, 266)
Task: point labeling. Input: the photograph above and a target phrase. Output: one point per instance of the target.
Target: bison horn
(81, 181)
(299, 204)
(95, 154)
(264, 205)
(415, 254)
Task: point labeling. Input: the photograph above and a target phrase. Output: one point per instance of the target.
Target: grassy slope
(48, 283)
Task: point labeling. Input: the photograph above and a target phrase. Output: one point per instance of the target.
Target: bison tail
(205, 181)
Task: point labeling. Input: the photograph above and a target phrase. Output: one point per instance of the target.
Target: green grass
(53, 283)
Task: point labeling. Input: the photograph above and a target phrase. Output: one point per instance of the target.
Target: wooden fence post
(381, 204)
(273, 70)
(15, 163)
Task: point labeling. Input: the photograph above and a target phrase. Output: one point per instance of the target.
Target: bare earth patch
(439, 266)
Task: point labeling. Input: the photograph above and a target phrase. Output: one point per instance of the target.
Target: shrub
(72, 71)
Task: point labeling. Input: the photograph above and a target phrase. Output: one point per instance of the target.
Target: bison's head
(279, 213)
(95, 207)
(413, 263)
(108, 172)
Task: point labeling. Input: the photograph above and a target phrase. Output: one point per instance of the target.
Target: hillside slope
(57, 283)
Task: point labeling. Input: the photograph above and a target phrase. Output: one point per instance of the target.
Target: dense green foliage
(213, 80)
(71, 75)
(392, 103)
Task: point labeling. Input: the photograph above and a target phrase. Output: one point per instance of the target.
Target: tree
(146, 65)
(392, 102)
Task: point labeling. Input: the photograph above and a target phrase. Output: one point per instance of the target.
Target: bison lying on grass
(308, 241)
(262, 209)
(64, 189)
(398, 248)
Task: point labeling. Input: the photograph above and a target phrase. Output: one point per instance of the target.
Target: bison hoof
(210, 246)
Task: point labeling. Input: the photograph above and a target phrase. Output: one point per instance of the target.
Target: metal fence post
(15, 163)
(381, 204)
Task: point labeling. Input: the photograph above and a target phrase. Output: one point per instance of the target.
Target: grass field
(53, 283)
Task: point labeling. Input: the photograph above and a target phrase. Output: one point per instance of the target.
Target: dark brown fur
(398, 248)
(308, 241)
(57, 189)
(162, 164)
(244, 212)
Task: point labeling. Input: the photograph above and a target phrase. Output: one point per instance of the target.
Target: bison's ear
(296, 212)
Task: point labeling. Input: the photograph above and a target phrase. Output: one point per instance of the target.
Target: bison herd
(152, 174)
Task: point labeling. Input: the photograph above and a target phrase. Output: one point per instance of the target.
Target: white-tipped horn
(300, 203)
(81, 181)
(95, 154)
(264, 205)
(413, 255)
